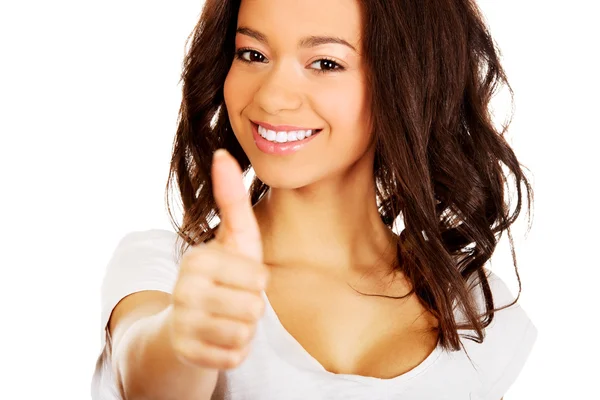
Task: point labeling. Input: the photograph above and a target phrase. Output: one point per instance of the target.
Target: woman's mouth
(282, 142)
(285, 136)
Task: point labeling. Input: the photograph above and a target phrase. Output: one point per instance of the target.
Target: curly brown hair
(432, 69)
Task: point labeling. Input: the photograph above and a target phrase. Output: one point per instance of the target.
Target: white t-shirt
(278, 367)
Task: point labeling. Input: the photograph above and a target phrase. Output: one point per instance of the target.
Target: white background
(89, 97)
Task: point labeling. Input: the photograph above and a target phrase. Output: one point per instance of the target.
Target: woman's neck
(333, 224)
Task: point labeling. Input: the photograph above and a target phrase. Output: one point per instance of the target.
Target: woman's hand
(217, 299)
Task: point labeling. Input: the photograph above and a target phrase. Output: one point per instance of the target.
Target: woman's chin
(282, 179)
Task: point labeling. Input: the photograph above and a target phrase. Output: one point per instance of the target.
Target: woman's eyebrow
(305, 42)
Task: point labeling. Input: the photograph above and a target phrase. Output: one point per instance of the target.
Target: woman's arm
(143, 359)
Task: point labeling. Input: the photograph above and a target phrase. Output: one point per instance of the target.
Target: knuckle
(236, 357)
(213, 302)
(179, 294)
(190, 290)
(185, 325)
(198, 358)
(184, 350)
(244, 353)
(256, 309)
(232, 360)
(183, 295)
(264, 273)
(197, 355)
(260, 278)
(190, 259)
(201, 258)
(240, 335)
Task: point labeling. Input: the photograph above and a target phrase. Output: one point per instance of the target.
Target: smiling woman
(308, 75)
(352, 114)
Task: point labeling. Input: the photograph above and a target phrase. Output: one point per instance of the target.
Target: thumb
(238, 229)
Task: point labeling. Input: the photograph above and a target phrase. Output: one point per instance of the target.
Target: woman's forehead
(297, 19)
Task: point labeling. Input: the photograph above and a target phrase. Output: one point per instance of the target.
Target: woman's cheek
(343, 108)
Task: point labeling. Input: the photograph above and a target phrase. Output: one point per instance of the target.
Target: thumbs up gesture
(217, 298)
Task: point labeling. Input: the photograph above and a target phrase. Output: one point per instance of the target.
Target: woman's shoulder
(148, 236)
(141, 260)
(509, 323)
(508, 341)
(503, 298)
(145, 244)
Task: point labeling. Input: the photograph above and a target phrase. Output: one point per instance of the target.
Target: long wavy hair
(432, 69)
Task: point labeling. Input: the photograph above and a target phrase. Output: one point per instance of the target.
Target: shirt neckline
(289, 349)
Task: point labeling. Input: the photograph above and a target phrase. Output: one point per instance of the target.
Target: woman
(352, 114)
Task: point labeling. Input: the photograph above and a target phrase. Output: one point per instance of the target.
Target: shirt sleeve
(507, 345)
(513, 368)
(142, 260)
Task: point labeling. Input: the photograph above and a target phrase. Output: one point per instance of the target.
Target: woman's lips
(278, 128)
(274, 148)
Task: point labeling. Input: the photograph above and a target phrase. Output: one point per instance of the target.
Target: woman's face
(298, 68)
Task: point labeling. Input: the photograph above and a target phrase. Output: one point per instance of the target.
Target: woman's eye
(326, 65)
(322, 65)
(249, 56)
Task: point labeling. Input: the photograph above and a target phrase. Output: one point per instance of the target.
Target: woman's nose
(279, 90)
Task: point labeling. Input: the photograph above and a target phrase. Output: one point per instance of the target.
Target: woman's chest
(351, 333)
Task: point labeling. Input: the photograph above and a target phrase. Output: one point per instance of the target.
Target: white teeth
(282, 137)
